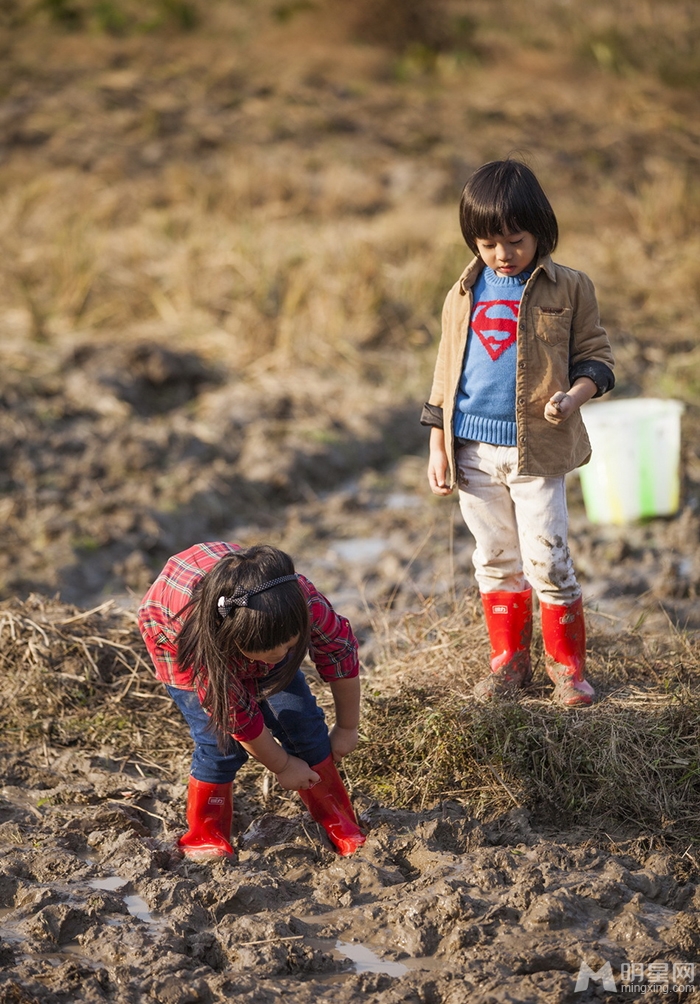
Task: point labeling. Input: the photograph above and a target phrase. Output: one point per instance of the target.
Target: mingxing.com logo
(640, 977)
(604, 975)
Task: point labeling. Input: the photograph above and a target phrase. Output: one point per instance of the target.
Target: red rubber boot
(509, 622)
(329, 804)
(564, 637)
(209, 817)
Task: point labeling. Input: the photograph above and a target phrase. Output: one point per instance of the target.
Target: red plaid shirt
(332, 646)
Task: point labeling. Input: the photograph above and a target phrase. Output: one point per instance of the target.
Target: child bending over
(227, 629)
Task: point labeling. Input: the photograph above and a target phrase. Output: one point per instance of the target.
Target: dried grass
(81, 679)
(306, 204)
(630, 760)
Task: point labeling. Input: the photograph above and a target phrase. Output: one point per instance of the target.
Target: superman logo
(495, 323)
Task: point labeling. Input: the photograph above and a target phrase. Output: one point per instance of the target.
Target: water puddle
(363, 549)
(367, 962)
(111, 884)
(401, 500)
(136, 906)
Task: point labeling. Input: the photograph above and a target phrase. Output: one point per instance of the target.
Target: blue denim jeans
(292, 716)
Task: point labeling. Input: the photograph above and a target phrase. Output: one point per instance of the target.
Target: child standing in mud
(522, 349)
(227, 629)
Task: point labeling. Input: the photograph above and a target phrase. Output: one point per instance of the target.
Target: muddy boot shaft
(564, 637)
(209, 817)
(509, 623)
(329, 804)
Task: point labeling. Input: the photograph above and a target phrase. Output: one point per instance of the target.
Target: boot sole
(207, 855)
(493, 689)
(574, 699)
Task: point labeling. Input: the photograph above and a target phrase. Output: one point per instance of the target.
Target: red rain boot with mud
(209, 817)
(329, 804)
(509, 623)
(564, 637)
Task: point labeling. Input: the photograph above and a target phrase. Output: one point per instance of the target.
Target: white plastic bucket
(634, 470)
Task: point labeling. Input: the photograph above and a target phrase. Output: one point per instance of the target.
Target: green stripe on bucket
(647, 493)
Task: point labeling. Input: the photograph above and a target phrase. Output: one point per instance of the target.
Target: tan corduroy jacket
(560, 338)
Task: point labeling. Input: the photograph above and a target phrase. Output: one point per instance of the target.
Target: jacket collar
(476, 267)
(547, 266)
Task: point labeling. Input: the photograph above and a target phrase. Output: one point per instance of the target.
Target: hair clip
(224, 603)
(240, 599)
(223, 606)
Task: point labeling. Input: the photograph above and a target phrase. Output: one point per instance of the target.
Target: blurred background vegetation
(287, 172)
(229, 226)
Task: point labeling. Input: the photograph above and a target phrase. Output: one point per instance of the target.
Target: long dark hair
(209, 644)
(505, 197)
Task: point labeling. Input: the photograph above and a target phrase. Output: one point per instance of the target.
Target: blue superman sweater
(486, 398)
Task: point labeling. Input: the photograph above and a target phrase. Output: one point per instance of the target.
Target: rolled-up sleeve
(432, 415)
(248, 730)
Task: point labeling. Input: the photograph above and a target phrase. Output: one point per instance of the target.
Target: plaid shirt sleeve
(332, 646)
(171, 591)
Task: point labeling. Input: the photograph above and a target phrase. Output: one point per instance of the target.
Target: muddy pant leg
(209, 763)
(520, 524)
(488, 511)
(543, 527)
(296, 721)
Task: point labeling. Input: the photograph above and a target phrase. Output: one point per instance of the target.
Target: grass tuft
(630, 760)
(613, 764)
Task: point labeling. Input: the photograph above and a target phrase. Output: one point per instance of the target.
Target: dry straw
(81, 679)
(630, 760)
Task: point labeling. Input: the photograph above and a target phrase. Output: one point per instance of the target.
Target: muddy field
(225, 243)
(435, 908)
(445, 904)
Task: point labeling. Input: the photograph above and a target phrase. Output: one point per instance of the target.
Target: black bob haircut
(505, 197)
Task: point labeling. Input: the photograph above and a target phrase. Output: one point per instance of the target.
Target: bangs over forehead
(488, 221)
(505, 197)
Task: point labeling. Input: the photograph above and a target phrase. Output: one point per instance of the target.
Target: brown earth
(436, 907)
(223, 257)
(442, 904)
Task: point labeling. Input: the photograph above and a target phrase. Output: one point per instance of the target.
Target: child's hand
(559, 407)
(343, 741)
(437, 473)
(297, 775)
(438, 465)
(562, 405)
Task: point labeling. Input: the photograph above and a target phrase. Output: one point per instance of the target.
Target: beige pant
(520, 524)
